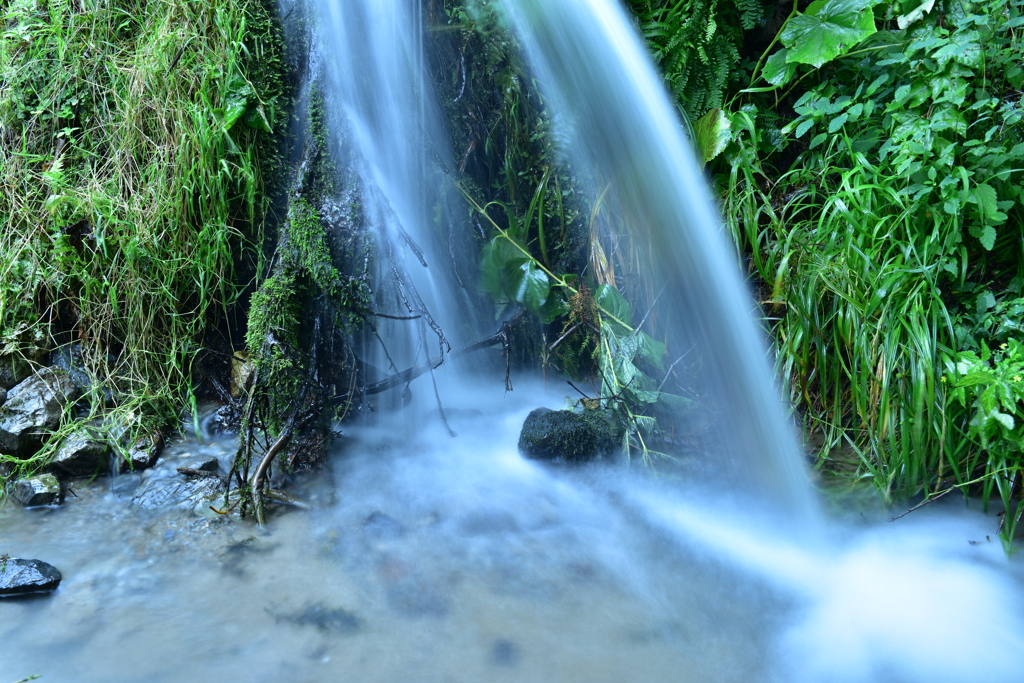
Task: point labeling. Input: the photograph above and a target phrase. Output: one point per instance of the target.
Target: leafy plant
(871, 182)
(991, 385)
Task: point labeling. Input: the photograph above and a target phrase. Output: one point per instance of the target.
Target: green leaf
(614, 305)
(963, 47)
(827, 29)
(915, 14)
(987, 237)
(533, 287)
(711, 134)
(499, 265)
(256, 119)
(837, 123)
(804, 127)
(777, 70)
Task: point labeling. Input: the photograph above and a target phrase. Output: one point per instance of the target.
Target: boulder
(566, 435)
(33, 409)
(21, 577)
(36, 491)
(13, 370)
(81, 455)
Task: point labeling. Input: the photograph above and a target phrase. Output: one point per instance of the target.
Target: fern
(696, 44)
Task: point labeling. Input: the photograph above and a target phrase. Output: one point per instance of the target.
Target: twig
(926, 501)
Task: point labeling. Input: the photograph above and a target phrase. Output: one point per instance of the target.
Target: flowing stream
(432, 558)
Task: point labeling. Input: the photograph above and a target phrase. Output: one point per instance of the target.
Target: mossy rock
(566, 435)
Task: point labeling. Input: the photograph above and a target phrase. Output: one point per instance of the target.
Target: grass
(133, 138)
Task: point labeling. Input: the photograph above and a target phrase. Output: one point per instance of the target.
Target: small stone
(33, 409)
(241, 372)
(504, 653)
(144, 453)
(81, 455)
(21, 577)
(37, 491)
(210, 464)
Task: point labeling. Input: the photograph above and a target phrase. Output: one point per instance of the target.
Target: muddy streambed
(422, 558)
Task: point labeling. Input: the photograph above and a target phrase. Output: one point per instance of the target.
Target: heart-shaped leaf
(827, 29)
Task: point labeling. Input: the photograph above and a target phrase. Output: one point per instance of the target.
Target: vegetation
(134, 151)
(869, 169)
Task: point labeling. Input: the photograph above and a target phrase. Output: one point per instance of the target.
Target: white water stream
(437, 559)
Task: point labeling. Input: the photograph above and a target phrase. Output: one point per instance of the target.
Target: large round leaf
(827, 29)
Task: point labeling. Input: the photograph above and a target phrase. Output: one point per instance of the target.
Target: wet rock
(33, 409)
(3, 396)
(143, 453)
(69, 359)
(210, 464)
(21, 577)
(36, 491)
(13, 370)
(241, 373)
(504, 653)
(124, 485)
(81, 455)
(324, 618)
(176, 492)
(566, 435)
(381, 526)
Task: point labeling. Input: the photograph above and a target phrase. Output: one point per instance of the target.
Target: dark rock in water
(144, 453)
(33, 409)
(210, 464)
(381, 526)
(566, 435)
(21, 577)
(36, 491)
(3, 396)
(13, 370)
(323, 618)
(504, 653)
(81, 455)
(124, 485)
(176, 492)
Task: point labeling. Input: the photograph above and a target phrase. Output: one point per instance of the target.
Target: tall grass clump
(873, 179)
(134, 138)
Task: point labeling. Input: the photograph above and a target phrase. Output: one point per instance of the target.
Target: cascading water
(382, 111)
(446, 559)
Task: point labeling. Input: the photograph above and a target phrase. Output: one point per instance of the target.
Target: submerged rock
(181, 493)
(36, 491)
(81, 455)
(22, 577)
(33, 409)
(566, 435)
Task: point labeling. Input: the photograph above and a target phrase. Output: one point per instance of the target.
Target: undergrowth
(134, 143)
(873, 179)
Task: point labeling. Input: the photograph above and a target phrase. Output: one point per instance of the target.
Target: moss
(567, 435)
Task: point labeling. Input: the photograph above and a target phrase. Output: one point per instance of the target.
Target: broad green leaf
(499, 265)
(533, 287)
(963, 47)
(804, 127)
(777, 70)
(827, 29)
(711, 133)
(613, 304)
(984, 195)
(837, 123)
(988, 237)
